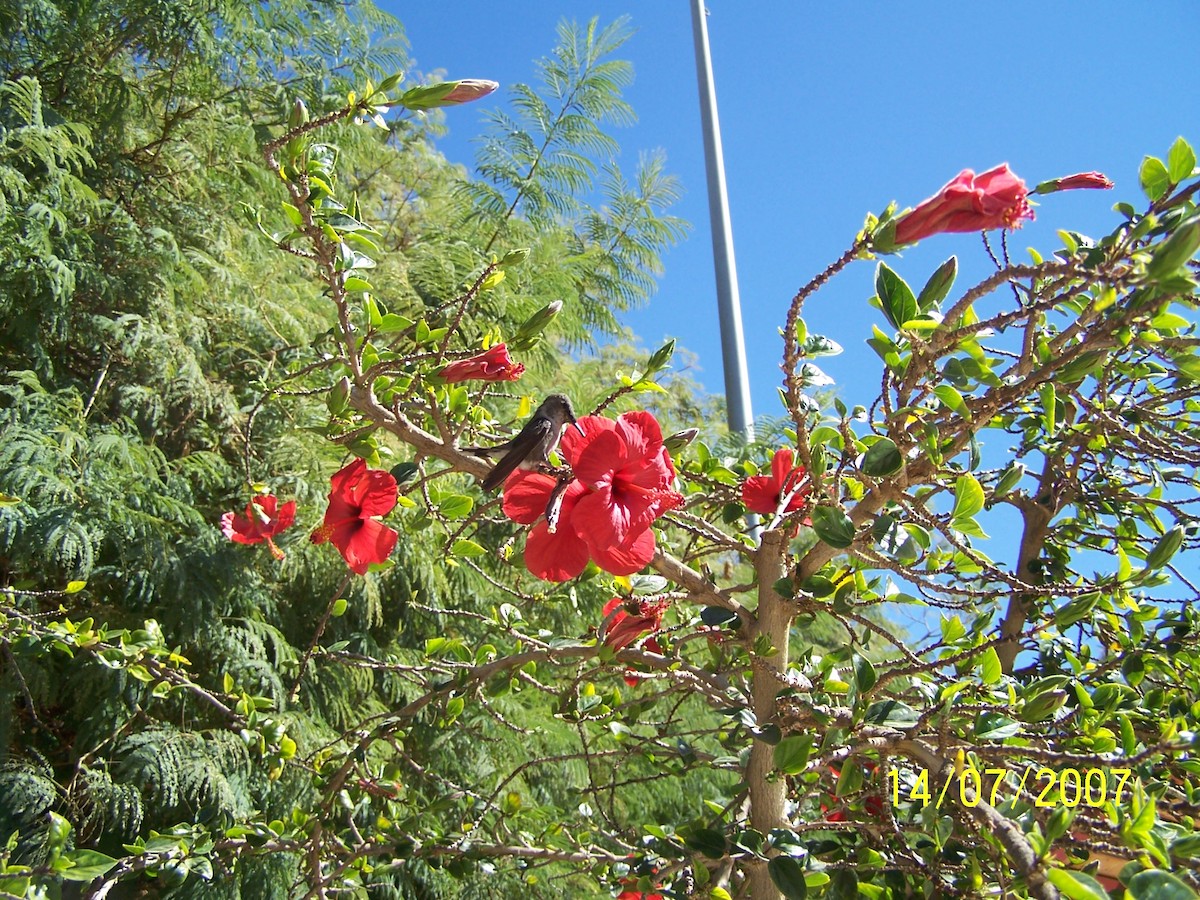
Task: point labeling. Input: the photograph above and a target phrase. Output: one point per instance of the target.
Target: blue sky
(829, 111)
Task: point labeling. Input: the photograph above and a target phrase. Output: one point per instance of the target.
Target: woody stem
(773, 621)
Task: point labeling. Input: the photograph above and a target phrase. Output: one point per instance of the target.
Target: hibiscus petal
(642, 434)
(555, 557)
(596, 462)
(287, 515)
(241, 529)
(375, 493)
(625, 559)
(573, 443)
(366, 542)
(760, 495)
(526, 495)
(342, 482)
(601, 519)
(781, 467)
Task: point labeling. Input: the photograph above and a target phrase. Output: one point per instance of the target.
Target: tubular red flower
(262, 520)
(763, 493)
(493, 364)
(996, 198)
(357, 495)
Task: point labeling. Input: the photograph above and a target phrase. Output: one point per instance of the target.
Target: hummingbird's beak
(578, 428)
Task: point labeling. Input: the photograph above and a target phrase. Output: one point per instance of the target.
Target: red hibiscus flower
(356, 496)
(622, 484)
(629, 474)
(763, 493)
(262, 520)
(493, 364)
(624, 628)
(1081, 180)
(996, 198)
(638, 895)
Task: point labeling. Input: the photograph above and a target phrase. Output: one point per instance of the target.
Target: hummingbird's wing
(535, 433)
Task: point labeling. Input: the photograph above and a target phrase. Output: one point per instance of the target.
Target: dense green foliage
(142, 317)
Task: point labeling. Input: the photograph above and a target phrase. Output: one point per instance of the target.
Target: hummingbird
(534, 442)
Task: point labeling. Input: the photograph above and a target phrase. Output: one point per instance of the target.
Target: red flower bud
(1082, 180)
(469, 89)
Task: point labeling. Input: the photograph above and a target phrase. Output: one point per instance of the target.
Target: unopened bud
(680, 439)
(470, 89)
(298, 115)
(514, 257)
(1079, 181)
(447, 93)
(660, 357)
(339, 397)
(527, 334)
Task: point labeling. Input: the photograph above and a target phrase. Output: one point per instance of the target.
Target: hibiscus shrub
(659, 598)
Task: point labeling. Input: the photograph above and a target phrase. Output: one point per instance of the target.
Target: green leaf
(708, 841)
(990, 668)
(938, 285)
(833, 526)
(899, 304)
(891, 712)
(995, 727)
(953, 400)
(788, 876)
(1156, 884)
(1049, 406)
(74, 587)
(968, 497)
(1154, 177)
(819, 345)
(456, 506)
(1181, 159)
(1176, 250)
(843, 885)
(1075, 610)
(1166, 548)
(1076, 885)
(390, 322)
(791, 753)
(864, 674)
(1009, 479)
(340, 605)
(86, 865)
(465, 547)
(1043, 706)
(882, 458)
